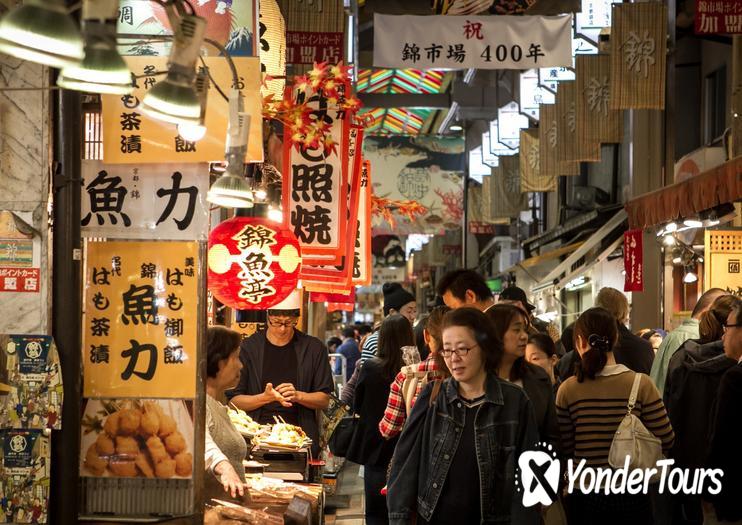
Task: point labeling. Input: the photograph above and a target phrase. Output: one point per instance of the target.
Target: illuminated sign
(509, 123)
(531, 94)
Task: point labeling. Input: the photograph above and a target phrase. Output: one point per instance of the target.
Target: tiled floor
(349, 484)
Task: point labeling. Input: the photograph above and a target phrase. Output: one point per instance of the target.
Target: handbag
(633, 440)
(343, 435)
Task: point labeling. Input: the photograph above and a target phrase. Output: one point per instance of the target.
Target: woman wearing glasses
(465, 432)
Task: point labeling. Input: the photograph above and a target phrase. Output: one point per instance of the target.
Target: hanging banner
(505, 7)
(474, 204)
(633, 257)
(638, 55)
(229, 23)
(137, 438)
(315, 31)
(362, 252)
(723, 260)
(253, 263)
(718, 17)
(598, 122)
(140, 319)
(320, 277)
(482, 42)
(30, 382)
(530, 168)
(426, 169)
(24, 485)
(145, 201)
(507, 199)
(130, 136)
(272, 30)
(572, 146)
(315, 187)
(547, 140)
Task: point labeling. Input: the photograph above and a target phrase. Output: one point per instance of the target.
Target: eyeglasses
(286, 324)
(731, 325)
(448, 352)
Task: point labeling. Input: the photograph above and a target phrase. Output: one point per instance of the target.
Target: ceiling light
(193, 132)
(42, 31)
(456, 127)
(668, 240)
(175, 99)
(274, 214)
(690, 276)
(671, 227)
(693, 223)
(102, 70)
(230, 191)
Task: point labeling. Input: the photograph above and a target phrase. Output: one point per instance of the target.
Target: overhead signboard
(532, 94)
(509, 123)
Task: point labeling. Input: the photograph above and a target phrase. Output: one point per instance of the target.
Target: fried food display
(244, 423)
(140, 441)
(285, 435)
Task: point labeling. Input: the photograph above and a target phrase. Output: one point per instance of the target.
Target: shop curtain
(530, 173)
(507, 199)
(598, 122)
(638, 55)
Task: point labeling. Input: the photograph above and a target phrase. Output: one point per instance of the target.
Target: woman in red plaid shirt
(411, 379)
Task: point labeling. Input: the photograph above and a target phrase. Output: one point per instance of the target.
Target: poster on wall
(26, 476)
(140, 319)
(723, 261)
(144, 201)
(130, 136)
(231, 24)
(137, 438)
(20, 253)
(426, 169)
(31, 391)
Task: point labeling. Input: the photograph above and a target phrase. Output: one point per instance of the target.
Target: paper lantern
(253, 263)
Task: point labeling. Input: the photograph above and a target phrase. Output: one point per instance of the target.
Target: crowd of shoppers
(444, 435)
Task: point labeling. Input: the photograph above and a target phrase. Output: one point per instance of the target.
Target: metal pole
(465, 215)
(67, 302)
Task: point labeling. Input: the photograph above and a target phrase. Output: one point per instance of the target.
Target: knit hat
(395, 297)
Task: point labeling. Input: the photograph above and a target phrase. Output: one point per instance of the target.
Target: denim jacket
(504, 427)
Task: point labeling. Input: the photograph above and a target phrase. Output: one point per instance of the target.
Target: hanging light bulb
(690, 276)
(42, 31)
(175, 99)
(275, 214)
(231, 190)
(102, 70)
(195, 132)
(668, 240)
(677, 256)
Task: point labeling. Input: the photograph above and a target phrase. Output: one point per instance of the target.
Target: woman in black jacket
(368, 447)
(511, 328)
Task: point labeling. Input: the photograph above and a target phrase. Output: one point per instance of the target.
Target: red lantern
(253, 263)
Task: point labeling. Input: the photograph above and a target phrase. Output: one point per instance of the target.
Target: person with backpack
(592, 404)
(456, 459)
(412, 378)
(367, 446)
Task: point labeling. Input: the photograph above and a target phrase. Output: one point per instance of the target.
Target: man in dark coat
(285, 373)
(724, 451)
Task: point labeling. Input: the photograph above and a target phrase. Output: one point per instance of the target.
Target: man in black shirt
(285, 373)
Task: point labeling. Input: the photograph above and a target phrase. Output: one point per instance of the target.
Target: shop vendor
(286, 373)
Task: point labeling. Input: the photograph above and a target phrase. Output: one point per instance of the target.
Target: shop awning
(612, 229)
(716, 186)
(529, 265)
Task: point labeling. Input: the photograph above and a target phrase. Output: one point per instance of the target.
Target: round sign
(253, 263)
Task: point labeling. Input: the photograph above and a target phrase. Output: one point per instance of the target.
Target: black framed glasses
(731, 325)
(275, 323)
(448, 352)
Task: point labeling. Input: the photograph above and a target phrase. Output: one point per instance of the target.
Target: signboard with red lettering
(718, 17)
(633, 255)
(19, 280)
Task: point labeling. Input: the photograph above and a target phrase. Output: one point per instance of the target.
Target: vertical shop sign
(530, 169)
(633, 257)
(638, 55)
(573, 148)
(507, 199)
(145, 201)
(140, 319)
(315, 186)
(362, 252)
(550, 144)
(133, 137)
(715, 17)
(596, 121)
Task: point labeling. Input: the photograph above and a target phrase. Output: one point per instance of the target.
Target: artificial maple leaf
(301, 83)
(318, 74)
(340, 72)
(330, 146)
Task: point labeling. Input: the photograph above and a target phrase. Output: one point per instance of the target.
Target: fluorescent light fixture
(42, 31)
(175, 99)
(576, 283)
(456, 127)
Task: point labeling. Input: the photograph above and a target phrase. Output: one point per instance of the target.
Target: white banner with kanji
(145, 201)
(482, 42)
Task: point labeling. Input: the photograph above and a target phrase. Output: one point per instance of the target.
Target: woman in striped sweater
(590, 407)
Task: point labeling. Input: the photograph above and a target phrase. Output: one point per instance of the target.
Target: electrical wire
(213, 82)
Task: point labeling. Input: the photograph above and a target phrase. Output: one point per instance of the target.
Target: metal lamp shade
(42, 32)
(230, 191)
(101, 71)
(173, 101)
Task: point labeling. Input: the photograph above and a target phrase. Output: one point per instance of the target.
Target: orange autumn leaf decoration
(384, 208)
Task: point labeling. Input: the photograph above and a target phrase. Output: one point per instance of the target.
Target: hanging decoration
(407, 208)
(362, 252)
(572, 148)
(253, 263)
(633, 255)
(507, 199)
(638, 55)
(530, 169)
(598, 122)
